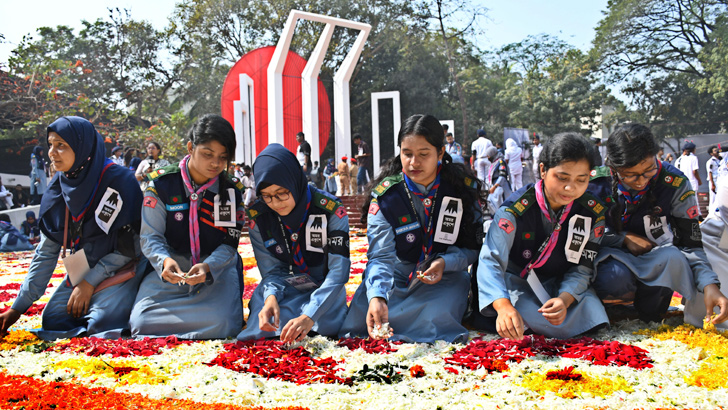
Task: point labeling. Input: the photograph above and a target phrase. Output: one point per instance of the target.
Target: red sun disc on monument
(255, 65)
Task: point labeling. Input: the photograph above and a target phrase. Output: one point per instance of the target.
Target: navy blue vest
(530, 234)
(394, 203)
(272, 231)
(170, 188)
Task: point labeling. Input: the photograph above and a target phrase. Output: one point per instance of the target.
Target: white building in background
(602, 130)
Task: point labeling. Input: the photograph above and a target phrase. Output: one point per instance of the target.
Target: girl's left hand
(712, 298)
(296, 329)
(554, 310)
(434, 273)
(80, 299)
(197, 274)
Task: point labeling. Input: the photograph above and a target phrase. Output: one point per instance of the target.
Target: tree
(555, 89)
(656, 36)
(714, 58)
(446, 16)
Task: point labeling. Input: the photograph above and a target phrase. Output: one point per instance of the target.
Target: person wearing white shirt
(688, 165)
(480, 157)
(711, 170)
(535, 154)
(6, 197)
(515, 165)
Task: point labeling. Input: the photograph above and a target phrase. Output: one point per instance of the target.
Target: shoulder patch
(386, 183)
(151, 189)
(234, 181)
(591, 202)
(670, 179)
(470, 182)
(600, 172)
(524, 202)
(326, 203)
(169, 169)
(255, 210)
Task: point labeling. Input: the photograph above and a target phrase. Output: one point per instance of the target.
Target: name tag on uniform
(316, 233)
(448, 223)
(76, 266)
(301, 282)
(579, 228)
(657, 229)
(225, 213)
(108, 209)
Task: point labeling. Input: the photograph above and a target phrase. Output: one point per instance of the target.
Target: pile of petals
(713, 341)
(491, 354)
(125, 372)
(712, 374)
(271, 359)
(34, 310)
(371, 346)
(93, 346)
(10, 286)
(568, 384)
(18, 338)
(18, 392)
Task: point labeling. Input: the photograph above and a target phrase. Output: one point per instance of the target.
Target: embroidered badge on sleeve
(506, 225)
(150, 201)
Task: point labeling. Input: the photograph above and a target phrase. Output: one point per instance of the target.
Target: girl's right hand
(270, 310)
(172, 272)
(8, 319)
(509, 323)
(377, 315)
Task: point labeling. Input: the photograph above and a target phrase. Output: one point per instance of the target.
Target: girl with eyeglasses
(536, 264)
(653, 243)
(425, 227)
(192, 216)
(300, 236)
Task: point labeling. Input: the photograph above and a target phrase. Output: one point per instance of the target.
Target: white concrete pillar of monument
(244, 121)
(396, 120)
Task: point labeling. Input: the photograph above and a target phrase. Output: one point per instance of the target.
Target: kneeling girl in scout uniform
(424, 228)
(92, 209)
(535, 267)
(191, 221)
(300, 236)
(653, 243)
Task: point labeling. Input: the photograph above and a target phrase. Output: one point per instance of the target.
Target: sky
(508, 21)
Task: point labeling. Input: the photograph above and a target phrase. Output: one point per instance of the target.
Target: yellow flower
(588, 385)
(713, 341)
(132, 373)
(712, 374)
(18, 338)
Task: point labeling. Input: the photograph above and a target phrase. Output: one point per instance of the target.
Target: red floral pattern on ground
(480, 353)
(93, 346)
(369, 345)
(271, 359)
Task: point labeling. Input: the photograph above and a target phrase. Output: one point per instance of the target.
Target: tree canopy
(668, 58)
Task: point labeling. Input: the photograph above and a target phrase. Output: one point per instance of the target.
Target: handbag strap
(65, 234)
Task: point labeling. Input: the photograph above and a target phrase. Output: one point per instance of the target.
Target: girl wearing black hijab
(92, 209)
(300, 236)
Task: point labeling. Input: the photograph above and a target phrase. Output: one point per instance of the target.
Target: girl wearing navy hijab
(424, 226)
(191, 222)
(300, 236)
(92, 209)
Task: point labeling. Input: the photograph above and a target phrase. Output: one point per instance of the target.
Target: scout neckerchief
(489, 176)
(194, 197)
(632, 201)
(544, 252)
(428, 202)
(297, 252)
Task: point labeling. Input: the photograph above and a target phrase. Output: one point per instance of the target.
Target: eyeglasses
(647, 175)
(281, 196)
